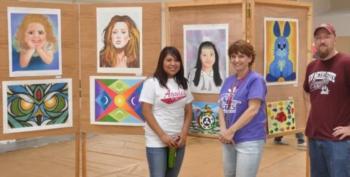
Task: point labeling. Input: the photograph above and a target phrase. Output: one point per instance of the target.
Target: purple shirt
(233, 100)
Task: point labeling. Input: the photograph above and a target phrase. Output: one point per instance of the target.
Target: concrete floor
(124, 156)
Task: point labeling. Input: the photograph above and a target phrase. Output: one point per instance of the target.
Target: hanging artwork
(115, 100)
(205, 56)
(119, 40)
(36, 105)
(280, 116)
(281, 51)
(34, 41)
(205, 119)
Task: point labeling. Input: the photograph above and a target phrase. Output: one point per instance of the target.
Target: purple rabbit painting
(281, 66)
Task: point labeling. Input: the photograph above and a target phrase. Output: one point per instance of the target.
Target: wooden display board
(290, 10)
(70, 62)
(151, 22)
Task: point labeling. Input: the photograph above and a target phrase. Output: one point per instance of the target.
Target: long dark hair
(217, 78)
(162, 76)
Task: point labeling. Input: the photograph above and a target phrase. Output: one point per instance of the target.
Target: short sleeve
(306, 81)
(189, 97)
(148, 91)
(257, 89)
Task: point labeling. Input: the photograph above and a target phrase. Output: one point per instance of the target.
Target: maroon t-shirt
(328, 83)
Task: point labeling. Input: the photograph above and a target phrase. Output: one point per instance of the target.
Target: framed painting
(281, 51)
(34, 41)
(205, 119)
(119, 40)
(205, 56)
(280, 116)
(115, 100)
(34, 105)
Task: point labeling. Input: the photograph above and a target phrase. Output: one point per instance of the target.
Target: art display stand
(151, 31)
(162, 25)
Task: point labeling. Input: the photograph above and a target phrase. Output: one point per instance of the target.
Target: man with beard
(327, 82)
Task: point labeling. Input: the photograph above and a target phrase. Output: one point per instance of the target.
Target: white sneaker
(302, 146)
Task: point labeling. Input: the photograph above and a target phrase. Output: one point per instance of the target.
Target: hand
(181, 140)
(226, 136)
(121, 62)
(342, 131)
(169, 141)
(30, 44)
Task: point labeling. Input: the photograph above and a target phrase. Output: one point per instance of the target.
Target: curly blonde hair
(34, 18)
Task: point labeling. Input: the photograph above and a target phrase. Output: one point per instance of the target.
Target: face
(171, 66)
(240, 62)
(207, 57)
(120, 35)
(35, 35)
(324, 43)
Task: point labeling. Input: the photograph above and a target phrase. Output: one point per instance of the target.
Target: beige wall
(343, 44)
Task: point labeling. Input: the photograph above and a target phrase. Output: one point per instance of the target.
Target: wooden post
(83, 154)
(77, 154)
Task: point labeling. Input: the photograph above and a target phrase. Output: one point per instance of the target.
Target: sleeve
(257, 89)
(221, 94)
(306, 81)
(189, 97)
(148, 91)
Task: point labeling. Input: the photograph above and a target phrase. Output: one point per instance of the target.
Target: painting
(205, 56)
(280, 116)
(119, 40)
(115, 100)
(281, 51)
(34, 41)
(205, 119)
(34, 105)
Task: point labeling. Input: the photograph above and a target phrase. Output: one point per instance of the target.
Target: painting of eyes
(37, 105)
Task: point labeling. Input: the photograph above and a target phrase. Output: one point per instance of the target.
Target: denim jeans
(158, 161)
(242, 159)
(329, 158)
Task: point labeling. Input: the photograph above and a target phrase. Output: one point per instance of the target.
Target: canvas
(119, 40)
(115, 100)
(37, 105)
(280, 116)
(34, 41)
(281, 51)
(205, 56)
(205, 119)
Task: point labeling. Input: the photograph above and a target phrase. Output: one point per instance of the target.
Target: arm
(223, 129)
(186, 126)
(25, 56)
(244, 119)
(147, 113)
(46, 56)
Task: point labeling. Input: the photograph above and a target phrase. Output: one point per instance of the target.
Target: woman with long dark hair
(167, 108)
(205, 77)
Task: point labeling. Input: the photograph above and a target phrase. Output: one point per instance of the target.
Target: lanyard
(234, 89)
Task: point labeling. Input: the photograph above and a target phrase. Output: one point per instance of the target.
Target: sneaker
(302, 146)
(280, 142)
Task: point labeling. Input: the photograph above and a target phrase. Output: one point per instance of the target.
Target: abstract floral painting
(281, 51)
(280, 116)
(115, 100)
(205, 120)
(36, 105)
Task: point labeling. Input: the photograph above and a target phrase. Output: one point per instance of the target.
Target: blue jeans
(329, 158)
(158, 161)
(242, 159)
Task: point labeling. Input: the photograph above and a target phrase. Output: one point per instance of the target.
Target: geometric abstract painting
(205, 119)
(115, 100)
(36, 105)
(280, 116)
